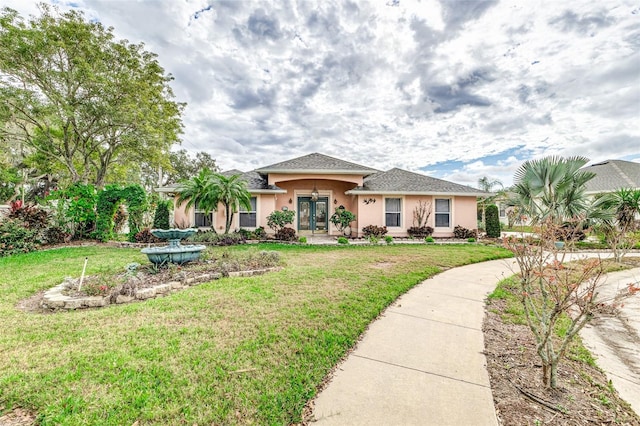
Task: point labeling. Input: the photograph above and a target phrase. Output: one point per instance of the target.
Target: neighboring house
(612, 175)
(315, 184)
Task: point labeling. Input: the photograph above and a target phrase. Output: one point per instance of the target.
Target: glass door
(312, 215)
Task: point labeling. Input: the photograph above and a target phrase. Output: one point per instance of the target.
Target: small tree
(493, 221)
(278, 219)
(161, 217)
(421, 213)
(342, 219)
(551, 291)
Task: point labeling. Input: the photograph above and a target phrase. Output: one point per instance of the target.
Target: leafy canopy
(74, 96)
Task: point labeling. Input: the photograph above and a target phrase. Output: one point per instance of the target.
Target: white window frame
(399, 213)
(196, 211)
(448, 213)
(241, 211)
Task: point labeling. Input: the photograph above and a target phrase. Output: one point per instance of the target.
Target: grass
(233, 351)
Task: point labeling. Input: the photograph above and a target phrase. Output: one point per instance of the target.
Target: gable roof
(398, 181)
(612, 175)
(317, 163)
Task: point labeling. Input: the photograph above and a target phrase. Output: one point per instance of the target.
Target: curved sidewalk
(423, 363)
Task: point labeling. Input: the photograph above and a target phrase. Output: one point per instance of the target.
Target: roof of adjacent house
(317, 163)
(612, 175)
(398, 181)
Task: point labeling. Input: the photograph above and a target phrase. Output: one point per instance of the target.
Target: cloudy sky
(456, 89)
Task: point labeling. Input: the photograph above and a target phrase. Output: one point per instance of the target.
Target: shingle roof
(402, 181)
(612, 175)
(316, 162)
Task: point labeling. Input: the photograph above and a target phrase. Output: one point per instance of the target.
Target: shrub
(420, 231)
(278, 219)
(342, 218)
(145, 236)
(260, 233)
(218, 239)
(55, 235)
(429, 239)
(492, 221)
(343, 240)
(302, 240)
(471, 240)
(463, 233)
(374, 231)
(32, 217)
(245, 233)
(388, 239)
(286, 234)
(161, 217)
(15, 238)
(373, 239)
(570, 232)
(79, 208)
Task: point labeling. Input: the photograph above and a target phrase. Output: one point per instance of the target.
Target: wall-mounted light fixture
(335, 201)
(314, 193)
(290, 201)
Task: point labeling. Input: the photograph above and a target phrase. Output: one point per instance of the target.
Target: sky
(454, 89)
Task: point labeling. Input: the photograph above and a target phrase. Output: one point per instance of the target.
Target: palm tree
(616, 212)
(201, 191)
(552, 188)
(488, 185)
(232, 192)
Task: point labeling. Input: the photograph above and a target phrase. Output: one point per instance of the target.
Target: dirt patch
(583, 397)
(18, 417)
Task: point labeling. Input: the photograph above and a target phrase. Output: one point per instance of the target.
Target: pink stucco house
(314, 185)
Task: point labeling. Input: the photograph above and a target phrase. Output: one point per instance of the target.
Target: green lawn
(233, 351)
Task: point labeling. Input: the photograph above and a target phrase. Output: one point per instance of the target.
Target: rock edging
(55, 299)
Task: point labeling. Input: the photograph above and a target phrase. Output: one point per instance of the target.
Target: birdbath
(174, 252)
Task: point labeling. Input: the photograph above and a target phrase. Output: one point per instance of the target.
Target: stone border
(54, 299)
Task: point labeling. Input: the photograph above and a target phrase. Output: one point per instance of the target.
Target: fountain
(174, 252)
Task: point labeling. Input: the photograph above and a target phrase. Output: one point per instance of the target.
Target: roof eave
(371, 192)
(318, 171)
(268, 191)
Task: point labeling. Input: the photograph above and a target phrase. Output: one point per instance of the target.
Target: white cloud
(412, 85)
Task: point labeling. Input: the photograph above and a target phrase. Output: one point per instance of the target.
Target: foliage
(80, 100)
(374, 231)
(302, 240)
(119, 219)
(161, 217)
(488, 185)
(16, 238)
(421, 213)
(218, 239)
(552, 188)
(285, 234)
(373, 240)
(342, 218)
(181, 166)
(388, 239)
(551, 291)
(9, 181)
(420, 232)
(145, 236)
(108, 202)
(616, 213)
(429, 239)
(55, 234)
(278, 219)
(343, 240)
(471, 240)
(492, 221)
(210, 189)
(78, 205)
(32, 216)
(463, 233)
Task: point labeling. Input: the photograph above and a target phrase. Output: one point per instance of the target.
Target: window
(502, 210)
(201, 219)
(392, 211)
(443, 213)
(248, 218)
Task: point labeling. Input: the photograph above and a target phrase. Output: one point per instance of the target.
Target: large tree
(181, 167)
(73, 95)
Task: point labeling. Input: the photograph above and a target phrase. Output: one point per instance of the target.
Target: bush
(570, 232)
(161, 217)
(32, 217)
(79, 202)
(342, 218)
(15, 238)
(463, 233)
(245, 233)
(373, 239)
(145, 236)
(55, 235)
(471, 240)
(374, 231)
(260, 233)
(303, 240)
(278, 219)
(286, 234)
(429, 239)
(420, 231)
(388, 239)
(343, 240)
(492, 221)
(218, 239)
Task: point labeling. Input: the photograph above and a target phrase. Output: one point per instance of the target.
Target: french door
(312, 215)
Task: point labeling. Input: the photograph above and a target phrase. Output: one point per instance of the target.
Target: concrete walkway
(423, 363)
